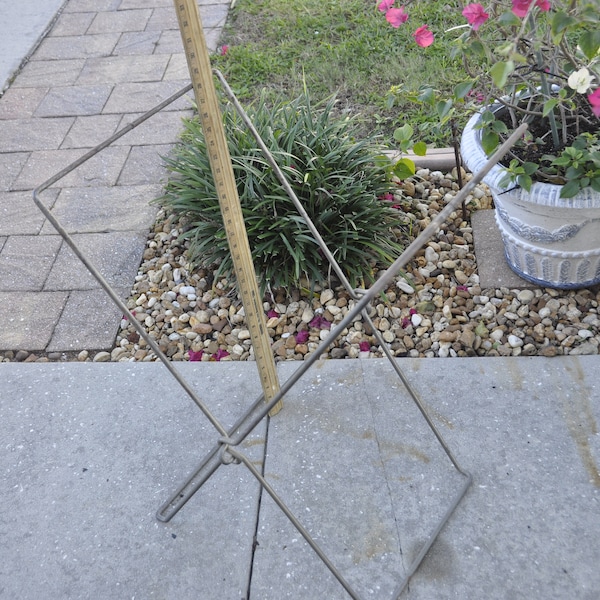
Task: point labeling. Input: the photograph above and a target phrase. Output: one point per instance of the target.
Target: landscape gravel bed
(437, 309)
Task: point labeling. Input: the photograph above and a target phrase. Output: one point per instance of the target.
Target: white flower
(580, 81)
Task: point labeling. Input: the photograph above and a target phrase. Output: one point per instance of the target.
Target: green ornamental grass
(341, 180)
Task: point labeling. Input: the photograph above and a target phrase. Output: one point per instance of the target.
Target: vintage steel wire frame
(224, 451)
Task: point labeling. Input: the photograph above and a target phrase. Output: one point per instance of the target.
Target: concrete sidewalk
(90, 452)
(22, 26)
(102, 64)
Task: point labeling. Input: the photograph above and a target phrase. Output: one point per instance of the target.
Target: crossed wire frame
(224, 451)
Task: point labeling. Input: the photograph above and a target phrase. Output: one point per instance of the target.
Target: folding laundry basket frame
(224, 451)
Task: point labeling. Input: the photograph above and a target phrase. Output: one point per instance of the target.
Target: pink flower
(594, 100)
(196, 355)
(364, 346)
(320, 322)
(520, 7)
(396, 16)
(388, 197)
(219, 354)
(385, 5)
(423, 36)
(224, 49)
(475, 15)
(476, 96)
(302, 337)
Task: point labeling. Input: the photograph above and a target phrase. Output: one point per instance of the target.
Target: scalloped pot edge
(548, 240)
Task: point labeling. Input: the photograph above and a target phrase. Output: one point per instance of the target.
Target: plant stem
(545, 89)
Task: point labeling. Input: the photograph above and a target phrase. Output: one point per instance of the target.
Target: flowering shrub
(528, 60)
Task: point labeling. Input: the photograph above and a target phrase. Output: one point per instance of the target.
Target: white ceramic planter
(550, 241)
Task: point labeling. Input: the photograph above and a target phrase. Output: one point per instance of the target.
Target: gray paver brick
(91, 131)
(169, 43)
(20, 103)
(10, 167)
(117, 255)
(102, 169)
(72, 24)
(161, 128)
(19, 215)
(74, 100)
(494, 271)
(119, 21)
(140, 97)
(119, 208)
(170, 40)
(21, 135)
(177, 68)
(163, 19)
(139, 43)
(124, 69)
(60, 48)
(91, 5)
(89, 321)
(128, 4)
(49, 73)
(145, 165)
(26, 260)
(30, 318)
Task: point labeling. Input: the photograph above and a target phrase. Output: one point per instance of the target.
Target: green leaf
(500, 72)
(570, 189)
(525, 182)
(506, 180)
(487, 117)
(549, 106)
(462, 89)
(499, 127)
(443, 108)
(530, 168)
(420, 148)
(404, 168)
(589, 42)
(477, 48)
(559, 23)
(489, 141)
(404, 133)
(509, 19)
(427, 96)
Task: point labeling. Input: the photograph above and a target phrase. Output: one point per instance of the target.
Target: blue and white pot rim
(546, 194)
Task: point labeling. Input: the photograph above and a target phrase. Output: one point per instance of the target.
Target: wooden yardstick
(209, 111)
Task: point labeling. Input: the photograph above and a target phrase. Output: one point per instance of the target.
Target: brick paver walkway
(103, 63)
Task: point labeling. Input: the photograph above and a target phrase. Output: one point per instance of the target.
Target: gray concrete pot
(548, 240)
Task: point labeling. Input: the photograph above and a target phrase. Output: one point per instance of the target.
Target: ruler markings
(222, 169)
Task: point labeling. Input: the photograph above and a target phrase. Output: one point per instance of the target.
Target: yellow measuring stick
(209, 111)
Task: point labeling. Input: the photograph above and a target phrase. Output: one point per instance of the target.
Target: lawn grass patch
(345, 49)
